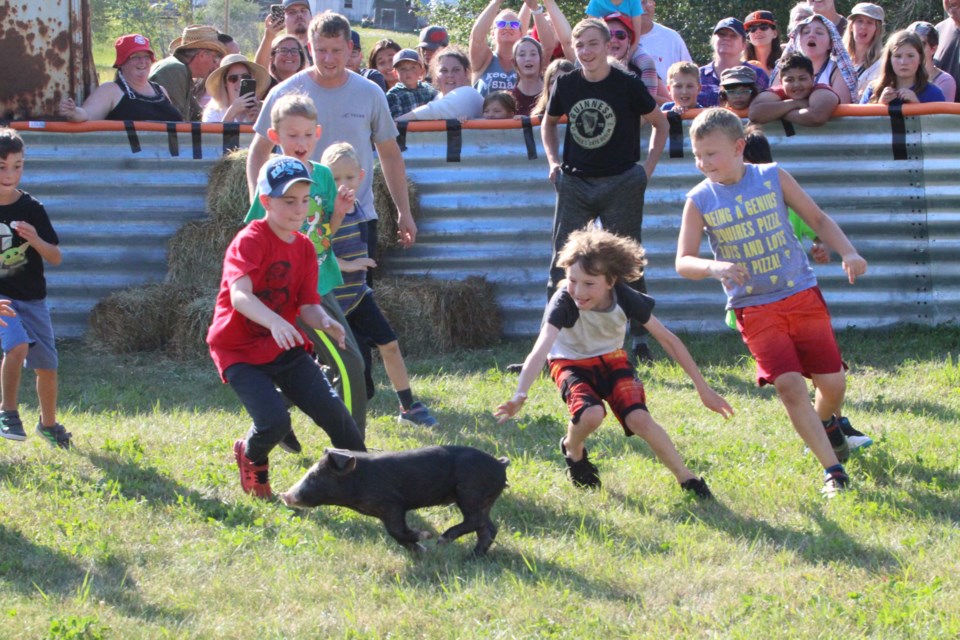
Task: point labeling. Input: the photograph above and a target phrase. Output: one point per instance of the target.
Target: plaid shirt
(403, 100)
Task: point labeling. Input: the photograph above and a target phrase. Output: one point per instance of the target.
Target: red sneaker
(254, 478)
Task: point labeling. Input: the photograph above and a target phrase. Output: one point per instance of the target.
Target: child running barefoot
(582, 336)
(769, 283)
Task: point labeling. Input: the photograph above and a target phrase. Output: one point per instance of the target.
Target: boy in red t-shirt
(269, 279)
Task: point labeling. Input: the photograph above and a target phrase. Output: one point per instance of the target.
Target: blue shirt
(930, 93)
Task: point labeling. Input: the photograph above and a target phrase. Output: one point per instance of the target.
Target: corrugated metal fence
(491, 214)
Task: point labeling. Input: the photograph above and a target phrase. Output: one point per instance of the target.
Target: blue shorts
(369, 324)
(31, 326)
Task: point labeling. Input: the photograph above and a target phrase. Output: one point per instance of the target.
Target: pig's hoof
(418, 548)
(442, 541)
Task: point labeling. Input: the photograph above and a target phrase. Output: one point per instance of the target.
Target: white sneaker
(855, 439)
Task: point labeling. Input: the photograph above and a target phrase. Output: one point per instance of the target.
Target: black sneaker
(699, 488)
(642, 353)
(582, 473)
(834, 483)
(56, 435)
(837, 440)
(855, 439)
(11, 427)
(291, 444)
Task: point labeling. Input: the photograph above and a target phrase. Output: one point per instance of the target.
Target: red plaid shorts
(587, 383)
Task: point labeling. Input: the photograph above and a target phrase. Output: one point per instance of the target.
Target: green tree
(243, 21)
(161, 22)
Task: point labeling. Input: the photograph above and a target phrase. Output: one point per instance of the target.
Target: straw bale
(431, 316)
(138, 319)
(189, 339)
(195, 253)
(227, 195)
(387, 212)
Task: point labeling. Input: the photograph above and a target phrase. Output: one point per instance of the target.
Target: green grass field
(142, 531)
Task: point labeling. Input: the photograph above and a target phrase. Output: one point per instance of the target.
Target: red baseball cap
(623, 19)
(130, 44)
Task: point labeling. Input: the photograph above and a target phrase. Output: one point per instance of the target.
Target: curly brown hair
(601, 253)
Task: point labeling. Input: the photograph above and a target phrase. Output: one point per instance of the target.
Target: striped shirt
(350, 243)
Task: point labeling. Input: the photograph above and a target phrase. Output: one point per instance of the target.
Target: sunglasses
(759, 27)
(237, 77)
(619, 35)
(743, 91)
(503, 24)
(284, 51)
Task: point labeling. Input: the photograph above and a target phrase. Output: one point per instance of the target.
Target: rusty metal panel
(45, 55)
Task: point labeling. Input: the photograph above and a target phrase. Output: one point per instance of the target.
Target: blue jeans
(301, 380)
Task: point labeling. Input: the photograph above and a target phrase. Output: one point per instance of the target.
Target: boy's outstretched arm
(246, 302)
(314, 316)
(689, 264)
(531, 369)
(678, 351)
(823, 225)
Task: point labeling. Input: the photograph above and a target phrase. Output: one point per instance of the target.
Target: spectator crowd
(507, 68)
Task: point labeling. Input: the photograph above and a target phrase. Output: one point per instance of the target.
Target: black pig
(387, 485)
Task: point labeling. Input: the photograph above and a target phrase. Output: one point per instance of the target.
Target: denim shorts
(31, 326)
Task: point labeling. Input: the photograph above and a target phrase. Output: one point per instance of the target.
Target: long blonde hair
(557, 68)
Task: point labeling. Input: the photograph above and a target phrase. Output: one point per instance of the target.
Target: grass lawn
(142, 531)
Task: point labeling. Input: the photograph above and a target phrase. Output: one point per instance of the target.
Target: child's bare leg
(831, 388)
(795, 396)
(577, 433)
(642, 424)
(10, 372)
(47, 396)
(393, 363)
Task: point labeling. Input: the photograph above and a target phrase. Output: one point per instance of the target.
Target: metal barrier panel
(491, 214)
(45, 55)
(114, 210)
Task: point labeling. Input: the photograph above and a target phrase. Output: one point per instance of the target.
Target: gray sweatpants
(617, 201)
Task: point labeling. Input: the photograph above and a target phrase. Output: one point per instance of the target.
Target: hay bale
(432, 315)
(138, 319)
(387, 212)
(195, 253)
(227, 196)
(189, 340)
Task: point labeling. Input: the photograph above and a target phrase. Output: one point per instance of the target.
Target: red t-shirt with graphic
(284, 276)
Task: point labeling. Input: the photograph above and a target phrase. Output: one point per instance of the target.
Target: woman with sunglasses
(493, 68)
(863, 40)
(642, 64)
(938, 77)
(287, 57)
(763, 41)
(223, 86)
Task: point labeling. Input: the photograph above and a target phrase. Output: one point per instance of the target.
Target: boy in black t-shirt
(27, 239)
(599, 176)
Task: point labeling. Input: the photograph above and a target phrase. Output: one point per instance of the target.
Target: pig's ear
(343, 462)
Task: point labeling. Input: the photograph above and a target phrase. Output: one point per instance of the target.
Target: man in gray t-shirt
(350, 109)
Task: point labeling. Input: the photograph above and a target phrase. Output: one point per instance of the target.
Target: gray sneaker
(11, 427)
(418, 415)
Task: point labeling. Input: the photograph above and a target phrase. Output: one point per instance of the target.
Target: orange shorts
(587, 383)
(790, 335)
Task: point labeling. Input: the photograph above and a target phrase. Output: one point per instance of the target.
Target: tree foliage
(694, 19)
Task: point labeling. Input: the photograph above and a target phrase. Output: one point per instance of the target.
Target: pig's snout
(289, 499)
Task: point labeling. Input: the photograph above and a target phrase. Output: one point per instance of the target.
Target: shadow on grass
(934, 492)
(141, 482)
(34, 569)
(831, 544)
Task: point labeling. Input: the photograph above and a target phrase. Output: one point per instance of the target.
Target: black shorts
(369, 324)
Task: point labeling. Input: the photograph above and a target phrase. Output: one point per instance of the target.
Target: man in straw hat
(193, 56)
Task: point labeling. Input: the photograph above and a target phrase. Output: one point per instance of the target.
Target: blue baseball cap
(733, 24)
(279, 173)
